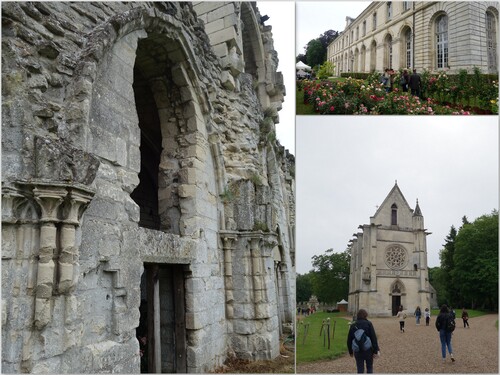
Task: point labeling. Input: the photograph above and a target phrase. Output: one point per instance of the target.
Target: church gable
(394, 211)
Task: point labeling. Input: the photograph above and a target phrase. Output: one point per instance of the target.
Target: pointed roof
(394, 190)
(417, 210)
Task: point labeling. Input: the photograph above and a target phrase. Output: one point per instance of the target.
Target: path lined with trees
(418, 350)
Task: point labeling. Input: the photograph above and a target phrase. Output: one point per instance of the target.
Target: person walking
(386, 80)
(427, 314)
(465, 318)
(418, 314)
(415, 83)
(444, 332)
(402, 316)
(404, 80)
(363, 356)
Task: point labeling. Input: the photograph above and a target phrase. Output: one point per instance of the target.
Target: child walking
(402, 316)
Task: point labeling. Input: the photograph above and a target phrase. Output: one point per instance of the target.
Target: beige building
(428, 35)
(389, 260)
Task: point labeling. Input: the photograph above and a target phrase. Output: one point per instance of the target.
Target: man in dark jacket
(367, 355)
(415, 83)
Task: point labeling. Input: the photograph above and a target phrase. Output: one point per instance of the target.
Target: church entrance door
(162, 328)
(396, 302)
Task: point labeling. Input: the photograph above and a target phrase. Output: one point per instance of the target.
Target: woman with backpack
(362, 342)
(445, 324)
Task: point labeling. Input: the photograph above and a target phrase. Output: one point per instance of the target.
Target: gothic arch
(397, 287)
(100, 42)
(253, 50)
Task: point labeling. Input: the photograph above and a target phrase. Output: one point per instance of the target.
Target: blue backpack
(361, 342)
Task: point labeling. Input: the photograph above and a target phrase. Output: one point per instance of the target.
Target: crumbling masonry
(147, 207)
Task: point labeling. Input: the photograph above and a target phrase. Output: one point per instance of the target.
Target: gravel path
(418, 350)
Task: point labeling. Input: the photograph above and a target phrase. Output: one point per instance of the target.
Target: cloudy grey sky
(346, 166)
(315, 17)
(282, 20)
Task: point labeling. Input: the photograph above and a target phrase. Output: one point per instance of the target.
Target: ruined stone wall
(78, 83)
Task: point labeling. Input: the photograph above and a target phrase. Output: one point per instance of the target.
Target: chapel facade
(147, 207)
(389, 260)
(432, 35)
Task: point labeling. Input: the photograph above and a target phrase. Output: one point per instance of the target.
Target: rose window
(396, 257)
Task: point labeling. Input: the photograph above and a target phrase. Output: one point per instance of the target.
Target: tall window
(357, 33)
(394, 214)
(442, 41)
(388, 51)
(389, 10)
(408, 47)
(374, 21)
(364, 27)
(491, 37)
(352, 36)
(406, 5)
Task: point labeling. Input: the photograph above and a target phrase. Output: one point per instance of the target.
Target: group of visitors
(407, 82)
(362, 341)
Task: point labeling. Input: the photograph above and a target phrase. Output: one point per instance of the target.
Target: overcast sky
(315, 17)
(347, 165)
(282, 19)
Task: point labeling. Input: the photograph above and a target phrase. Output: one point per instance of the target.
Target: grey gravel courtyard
(418, 350)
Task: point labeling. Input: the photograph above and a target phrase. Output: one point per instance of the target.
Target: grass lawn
(300, 107)
(315, 346)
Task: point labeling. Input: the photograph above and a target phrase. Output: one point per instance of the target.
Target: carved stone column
(49, 199)
(68, 257)
(228, 244)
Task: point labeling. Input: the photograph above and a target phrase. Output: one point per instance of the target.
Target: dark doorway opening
(396, 302)
(162, 328)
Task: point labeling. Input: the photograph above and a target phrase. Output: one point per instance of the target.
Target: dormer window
(394, 214)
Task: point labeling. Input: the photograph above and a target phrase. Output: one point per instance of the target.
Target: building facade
(147, 208)
(436, 36)
(389, 260)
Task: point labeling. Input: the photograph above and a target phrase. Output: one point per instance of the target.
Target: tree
(314, 53)
(326, 70)
(475, 261)
(327, 37)
(304, 287)
(331, 276)
(449, 292)
(301, 57)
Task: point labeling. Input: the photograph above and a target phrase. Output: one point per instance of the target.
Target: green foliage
(330, 276)
(256, 179)
(303, 287)
(315, 53)
(357, 75)
(228, 195)
(475, 260)
(313, 349)
(259, 225)
(325, 70)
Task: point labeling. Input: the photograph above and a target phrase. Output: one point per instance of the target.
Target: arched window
(374, 21)
(373, 56)
(394, 214)
(408, 48)
(491, 37)
(364, 27)
(442, 41)
(388, 51)
(363, 58)
(389, 10)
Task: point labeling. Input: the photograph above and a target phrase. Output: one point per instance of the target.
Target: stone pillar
(49, 199)
(68, 258)
(257, 277)
(228, 243)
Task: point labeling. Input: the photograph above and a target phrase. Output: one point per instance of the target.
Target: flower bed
(356, 96)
